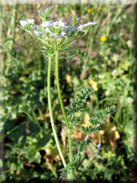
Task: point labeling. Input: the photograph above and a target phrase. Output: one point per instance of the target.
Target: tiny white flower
(63, 33)
(87, 24)
(48, 30)
(130, 43)
(30, 21)
(47, 23)
(26, 22)
(80, 27)
(114, 72)
(99, 145)
(61, 23)
(23, 22)
(107, 93)
(37, 32)
(36, 27)
(56, 24)
(129, 100)
(90, 23)
(115, 57)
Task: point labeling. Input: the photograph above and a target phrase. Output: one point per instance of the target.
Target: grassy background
(104, 61)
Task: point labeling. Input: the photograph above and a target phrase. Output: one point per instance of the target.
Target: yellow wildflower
(103, 38)
(86, 2)
(90, 10)
(99, 8)
(69, 80)
(93, 84)
(38, 6)
(6, 8)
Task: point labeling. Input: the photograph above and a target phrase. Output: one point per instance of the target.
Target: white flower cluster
(27, 22)
(50, 28)
(63, 30)
(54, 32)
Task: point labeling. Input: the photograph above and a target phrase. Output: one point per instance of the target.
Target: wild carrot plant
(55, 36)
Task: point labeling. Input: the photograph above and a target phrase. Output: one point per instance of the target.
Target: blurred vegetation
(104, 62)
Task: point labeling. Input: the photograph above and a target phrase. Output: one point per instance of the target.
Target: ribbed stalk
(71, 175)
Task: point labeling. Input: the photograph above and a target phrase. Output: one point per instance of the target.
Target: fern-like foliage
(80, 145)
(76, 105)
(97, 121)
(101, 115)
(89, 130)
(77, 160)
(66, 170)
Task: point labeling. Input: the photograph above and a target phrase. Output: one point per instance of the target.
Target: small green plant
(54, 37)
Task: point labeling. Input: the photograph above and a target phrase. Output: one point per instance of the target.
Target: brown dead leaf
(26, 163)
(68, 79)
(40, 118)
(27, 128)
(85, 121)
(17, 172)
(64, 136)
(78, 135)
(93, 54)
(93, 84)
(51, 153)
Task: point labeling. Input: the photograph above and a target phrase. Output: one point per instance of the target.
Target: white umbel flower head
(55, 33)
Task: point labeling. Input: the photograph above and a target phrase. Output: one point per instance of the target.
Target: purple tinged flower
(73, 28)
(99, 145)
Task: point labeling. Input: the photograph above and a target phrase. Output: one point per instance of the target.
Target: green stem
(1, 39)
(14, 23)
(71, 175)
(51, 114)
(86, 137)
